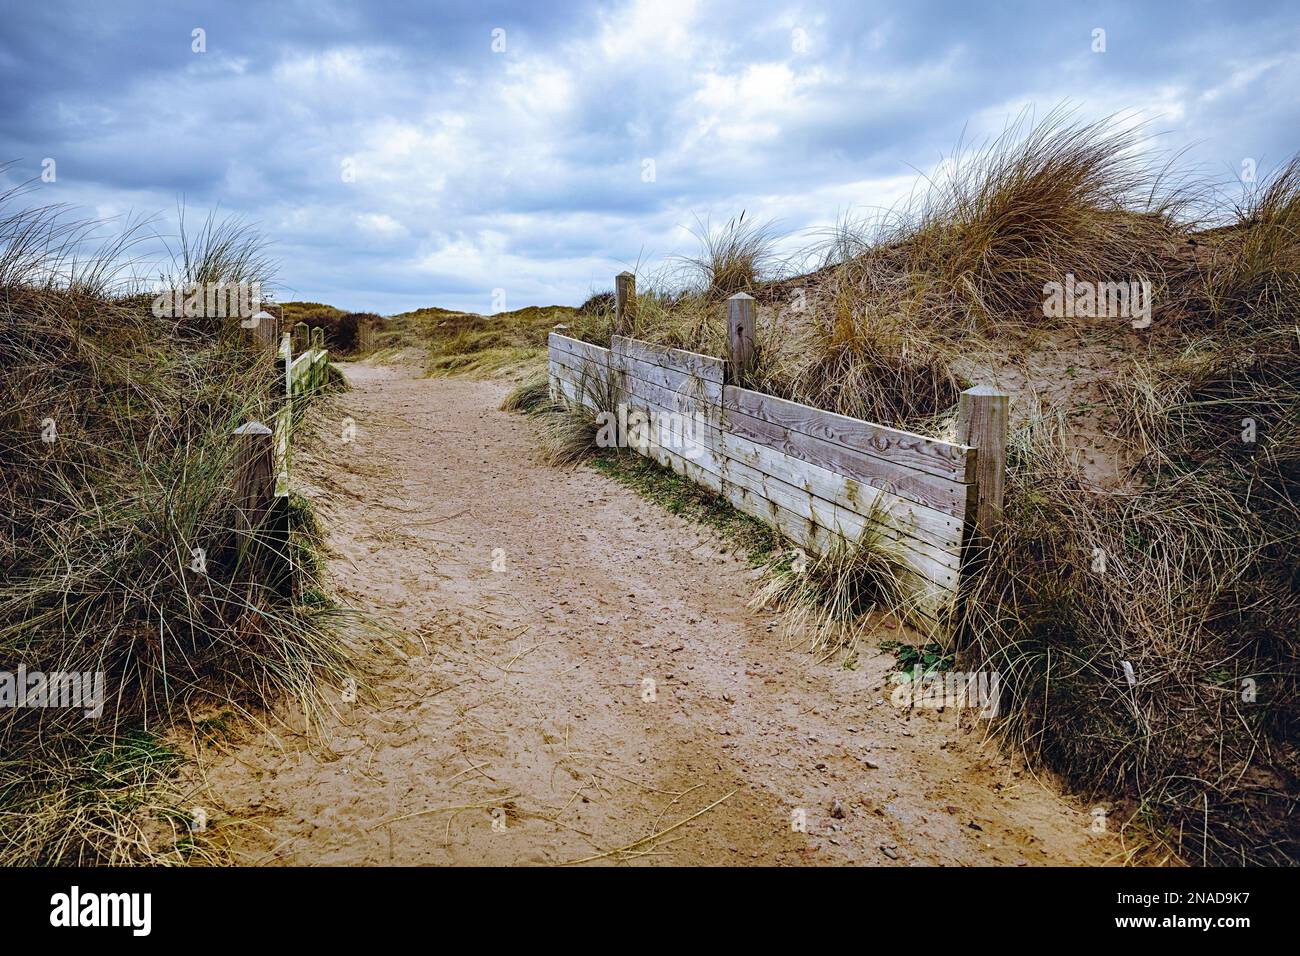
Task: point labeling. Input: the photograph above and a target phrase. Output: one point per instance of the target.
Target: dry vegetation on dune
(1153, 508)
(116, 460)
(470, 344)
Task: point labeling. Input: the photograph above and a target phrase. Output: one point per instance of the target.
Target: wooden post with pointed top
(982, 417)
(624, 302)
(740, 336)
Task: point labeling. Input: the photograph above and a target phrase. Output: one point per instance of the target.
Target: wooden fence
(262, 464)
(819, 477)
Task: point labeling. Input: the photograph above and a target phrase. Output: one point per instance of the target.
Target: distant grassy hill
(455, 342)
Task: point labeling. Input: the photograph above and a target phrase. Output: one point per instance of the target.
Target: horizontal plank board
(580, 367)
(308, 369)
(936, 563)
(932, 491)
(818, 477)
(669, 378)
(928, 455)
(685, 467)
(943, 566)
(930, 599)
(697, 442)
(939, 563)
(672, 380)
(707, 367)
(669, 400)
(583, 350)
(566, 382)
(927, 524)
(690, 439)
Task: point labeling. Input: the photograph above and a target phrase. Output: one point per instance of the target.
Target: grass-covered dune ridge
(120, 548)
(1141, 598)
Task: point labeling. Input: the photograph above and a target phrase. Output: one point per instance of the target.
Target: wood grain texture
(582, 350)
(592, 370)
(926, 524)
(942, 566)
(818, 477)
(673, 379)
(624, 301)
(931, 599)
(741, 315)
(701, 366)
(941, 494)
(574, 385)
(929, 455)
(982, 417)
(706, 450)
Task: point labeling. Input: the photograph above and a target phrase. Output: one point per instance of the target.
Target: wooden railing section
(819, 477)
(262, 464)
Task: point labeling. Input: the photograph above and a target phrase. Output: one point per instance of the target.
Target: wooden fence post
(286, 356)
(318, 352)
(265, 331)
(740, 335)
(254, 472)
(301, 337)
(624, 302)
(262, 516)
(982, 417)
(366, 332)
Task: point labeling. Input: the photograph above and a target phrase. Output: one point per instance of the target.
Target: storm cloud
(403, 154)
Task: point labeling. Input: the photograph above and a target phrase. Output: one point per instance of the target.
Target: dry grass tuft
(830, 598)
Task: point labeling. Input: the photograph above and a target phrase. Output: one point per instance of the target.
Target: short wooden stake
(265, 331)
(624, 302)
(254, 472)
(982, 417)
(740, 336)
(262, 516)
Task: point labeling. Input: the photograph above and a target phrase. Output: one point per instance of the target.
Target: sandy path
(525, 703)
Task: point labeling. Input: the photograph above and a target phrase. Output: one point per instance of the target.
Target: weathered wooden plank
(690, 468)
(982, 421)
(583, 350)
(707, 367)
(574, 386)
(669, 378)
(299, 369)
(701, 448)
(942, 494)
(814, 475)
(569, 384)
(929, 598)
(847, 523)
(929, 455)
(308, 370)
(932, 562)
(927, 524)
(671, 401)
(592, 370)
(695, 440)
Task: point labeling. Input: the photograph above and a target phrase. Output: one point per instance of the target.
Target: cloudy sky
(408, 154)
